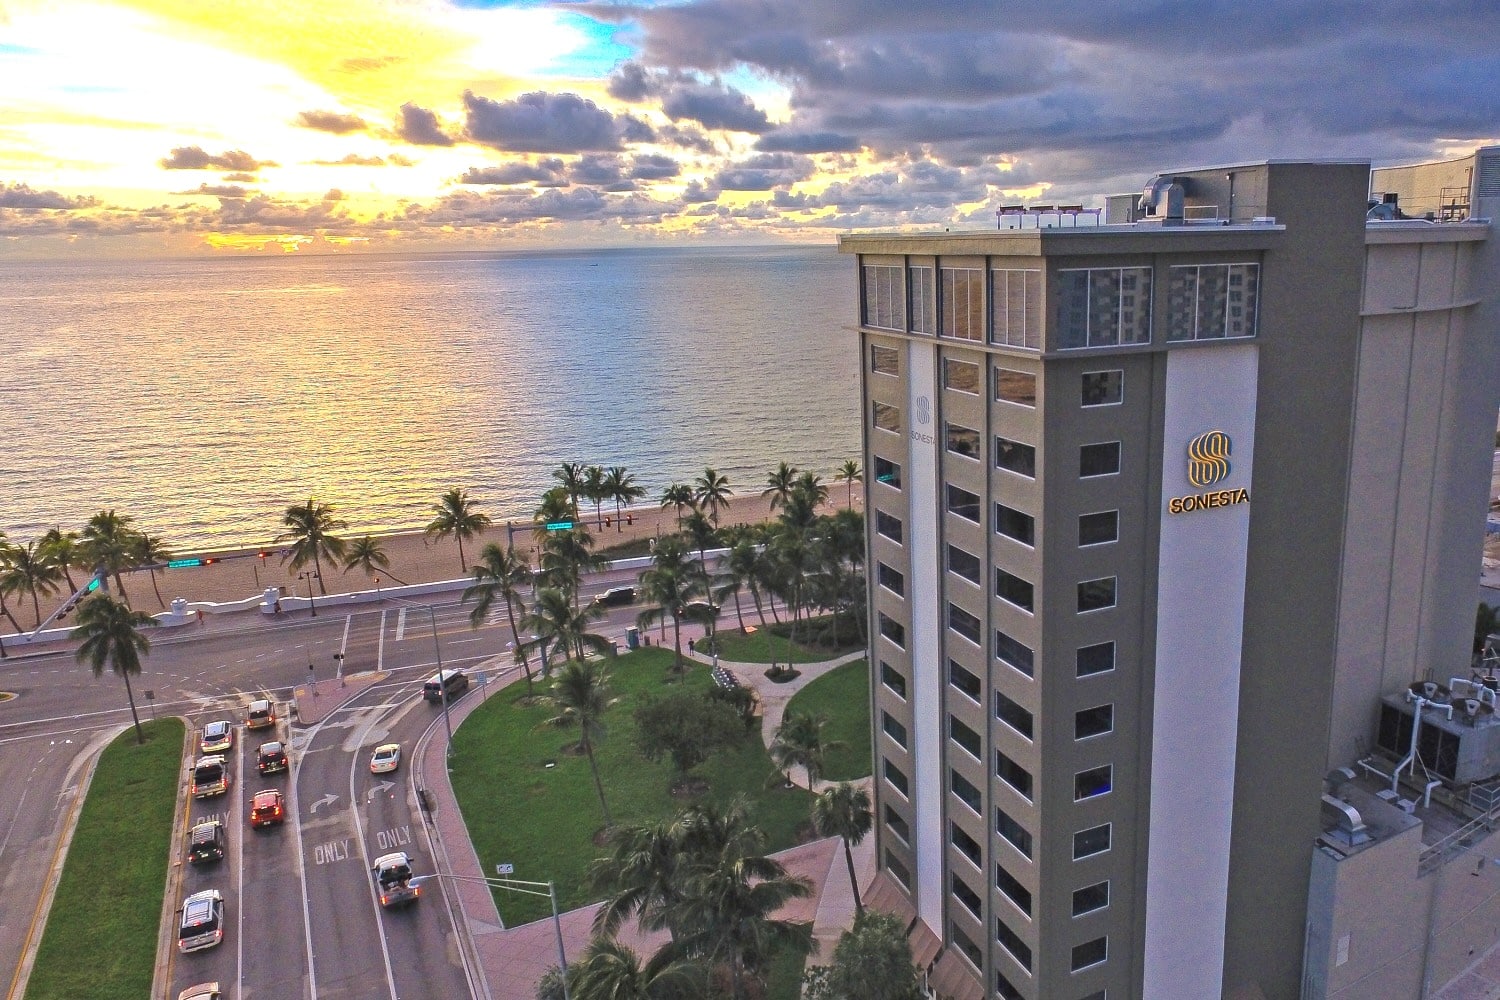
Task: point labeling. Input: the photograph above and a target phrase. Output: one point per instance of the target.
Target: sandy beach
(414, 558)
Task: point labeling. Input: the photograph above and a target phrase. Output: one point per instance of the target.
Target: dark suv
(271, 757)
(206, 842)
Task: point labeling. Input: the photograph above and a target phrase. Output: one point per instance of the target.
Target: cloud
(331, 121)
(630, 82)
(547, 172)
(194, 158)
(420, 127)
(764, 171)
(540, 122)
(466, 209)
(714, 107)
(355, 160)
(218, 190)
(24, 197)
(654, 167)
(787, 141)
(685, 138)
(598, 170)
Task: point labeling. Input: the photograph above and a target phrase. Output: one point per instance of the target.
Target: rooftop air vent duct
(1162, 199)
(1348, 826)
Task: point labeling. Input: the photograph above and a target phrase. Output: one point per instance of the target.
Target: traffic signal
(210, 561)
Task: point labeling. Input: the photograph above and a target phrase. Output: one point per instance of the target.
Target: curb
(166, 955)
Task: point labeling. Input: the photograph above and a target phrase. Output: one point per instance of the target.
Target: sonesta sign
(1207, 464)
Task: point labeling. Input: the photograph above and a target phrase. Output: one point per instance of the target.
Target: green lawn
(543, 819)
(844, 695)
(769, 644)
(109, 899)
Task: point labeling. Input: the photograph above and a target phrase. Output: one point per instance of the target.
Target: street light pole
(310, 576)
(437, 649)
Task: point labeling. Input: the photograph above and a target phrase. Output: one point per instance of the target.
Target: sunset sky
(160, 127)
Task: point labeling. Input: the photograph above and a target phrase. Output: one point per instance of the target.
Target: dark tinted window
(964, 564)
(965, 791)
(892, 678)
(1013, 652)
(1090, 953)
(1099, 459)
(887, 472)
(895, 867)
(1090, 898)
(963, 623)
(965, 737)
(1013, 890)
(1093, 782)
(1094, 840)
(967, 845)
(963, 680)
(1018, 835)
(1012, 588)
(1096, 529)
(1015, 457)
(893, 729)
(963, 441)
(897, 825)
(1012, 943)
(1013, 715)
(894, 775)
(963, 503)
(890, 579)
(1013, 774)
(891, 629)
(968, 897)
(1094, 721)
(1103, 388)
(1096, 659)
(888, 525)
(1014, 524)
(1096, 594)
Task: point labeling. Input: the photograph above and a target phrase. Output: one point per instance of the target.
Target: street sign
(505, 869)
(559, 525)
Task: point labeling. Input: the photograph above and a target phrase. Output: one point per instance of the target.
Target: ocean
(203, 397)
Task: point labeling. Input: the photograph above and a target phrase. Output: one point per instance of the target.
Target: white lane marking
(364, 852)
(401, 625)
(344, 645)
(380, 645)
(239, 889)
(455, 642)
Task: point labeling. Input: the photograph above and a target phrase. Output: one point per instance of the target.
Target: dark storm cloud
(786, 141)
(654, 167)
(714, 107)
(26, 198)
(630, 82)
(764, 171)
(541, 122)
(331, 121)
(420, 127)
(546, 172)
(597, 170)
(194, 158)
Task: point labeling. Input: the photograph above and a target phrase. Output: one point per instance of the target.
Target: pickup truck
(393, 876)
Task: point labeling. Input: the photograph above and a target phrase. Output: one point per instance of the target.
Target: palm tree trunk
(157, 589)
(738, 613)
(849, 488)
(859, 907)
(140, 737)
(510, 610)
(618, 526)
(677, 643)
(463, 566)
(588, 749)
(6, 612)
(36, 608)
(120, 586)
(318, 566)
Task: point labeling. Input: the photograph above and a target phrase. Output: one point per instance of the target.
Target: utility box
(632, 637)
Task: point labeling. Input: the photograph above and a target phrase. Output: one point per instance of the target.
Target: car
(203, 991)
(445, 685)
(206, 842)
(261, 715)
(700, 611)
(271, 757)
(393, 877)
(210, 777)
(202, 923)
(615, 596)
(217, 737)
(267, 808)
(386, 758)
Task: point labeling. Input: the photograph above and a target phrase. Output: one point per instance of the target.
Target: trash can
(632, 637)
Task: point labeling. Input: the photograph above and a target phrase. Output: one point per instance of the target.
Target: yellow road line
(42, 901)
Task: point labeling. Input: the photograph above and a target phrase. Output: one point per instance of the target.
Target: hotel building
(1167, 518)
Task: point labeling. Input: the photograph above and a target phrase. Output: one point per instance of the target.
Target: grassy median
(530, 802)
(843, 694)
(108, 902)
(816, 640)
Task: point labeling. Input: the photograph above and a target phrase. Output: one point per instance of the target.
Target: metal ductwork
(1162, 199)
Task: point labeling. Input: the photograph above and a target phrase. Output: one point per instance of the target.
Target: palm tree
(620, 486)
(679, 495)
(368, 554)
(712, 491)
(108, 542)
(595, 493)
(849, 473)
(700, 531)
(310, 529)
(557, 624)
(736, 573)
(63, 549)
(569, 476)
(610, 970)
(641, 876)
(458, 515)
(5, 548)
(566, 556)
(580, 696)
(779, 484)
(843, 811)
(555, 508)
(499, 574)
(799, 742)
(151, 552)
(27, 568)
(667, 587)
(109, 632)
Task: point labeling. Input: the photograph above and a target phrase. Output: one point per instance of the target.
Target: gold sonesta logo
(1208, 463)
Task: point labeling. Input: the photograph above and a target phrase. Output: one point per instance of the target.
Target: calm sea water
(205, 396)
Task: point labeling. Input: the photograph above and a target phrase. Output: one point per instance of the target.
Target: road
(302, 915)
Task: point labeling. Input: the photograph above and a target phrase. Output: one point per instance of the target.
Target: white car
(386, 758)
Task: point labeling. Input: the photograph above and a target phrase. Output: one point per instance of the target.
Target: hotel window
(923, 300)
(964, 791)
(1013, 715)
(1013, 774)
(1090, 898)
(891, 579)
(1011, 942)
(963, 303)
(1015, 387)
(1099, 528)
(887, 417)
(1090, 953)
(965, 737)
(897, 825)
(1013, 652)
(963, 503)
(1013, 890)
(1094, 782)
(1099, 459)
(1011, 588)
(1017, 835)
(885, 302)
(969, 948)
(893, 679)
(1096, 659)
(1094, 840)
(891, 629)
(884, 360)
(1103, 307)
(964, 624)
(893, 729)
(1103, 388)
(1212, 301)
(888, 526)
(1005, 989)
(965, 681)
(1094, 721)
(894, 776)
(964, 564)
(961, 376)
(1013, 456)
(1095, 595)
(1017, 308)
(1013, 523)
(967, 845)
(963, 441)
(887, 472)
(895, 867)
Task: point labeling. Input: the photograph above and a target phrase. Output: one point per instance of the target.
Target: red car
(267, 808)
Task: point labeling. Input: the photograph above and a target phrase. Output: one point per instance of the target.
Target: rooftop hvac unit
(1162, 199)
